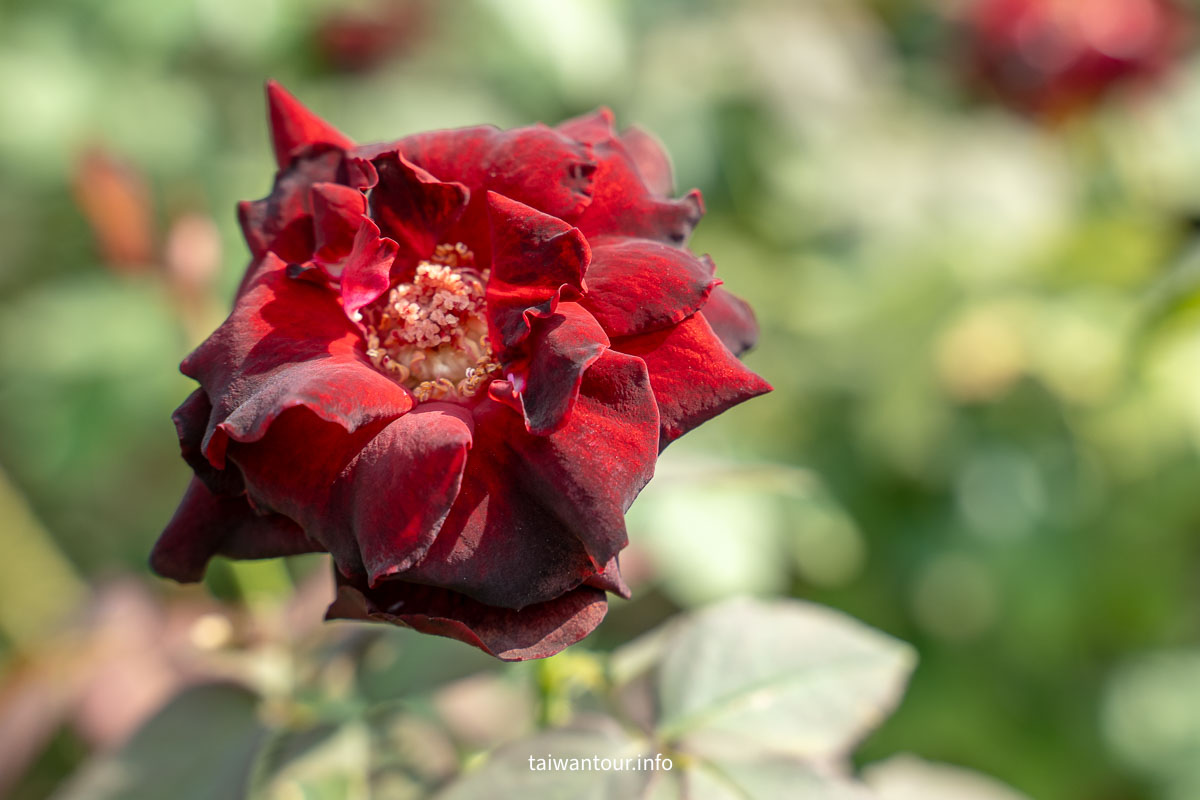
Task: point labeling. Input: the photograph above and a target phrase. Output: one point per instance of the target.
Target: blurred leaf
(910, 778)
(397, 660)
(327, 762)
(200, 746)
(1175, 296)
(685, 517)
(784, 677)
(521, 770)
(34, 561)
(772, 779)
(1152, 714)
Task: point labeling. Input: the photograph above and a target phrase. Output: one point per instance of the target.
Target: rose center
(431, 334)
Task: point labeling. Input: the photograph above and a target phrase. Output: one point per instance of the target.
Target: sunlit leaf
(910, 778)
(561, 764)
(777, 778)
(783, 677)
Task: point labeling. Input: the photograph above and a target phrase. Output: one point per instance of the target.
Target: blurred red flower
(452, 364)
(1054, 57)
(360, 37)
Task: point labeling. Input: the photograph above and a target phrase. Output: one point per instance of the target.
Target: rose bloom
(452, 364)
(1054, 57)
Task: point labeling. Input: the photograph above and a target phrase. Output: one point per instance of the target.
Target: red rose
(452, 364)
(1052, 57)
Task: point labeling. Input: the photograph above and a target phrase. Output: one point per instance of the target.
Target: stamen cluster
(430, 334)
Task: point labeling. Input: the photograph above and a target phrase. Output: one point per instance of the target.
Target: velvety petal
(610, 580)
(537, 165)
(651, 160)
(591, 128)
(399, 488)
(282, 222)
(287, 343)
(624, 202)
(191, 424)
(537, 260)
(622, 205)
(693, 375)
(367, 271)
(500, 545)
(638, 285)
(294, 469)
(337, 216)
(413, 207)
(589, 471)
(562, 347)
(537, 631)
(293, 126)
(206, 525)
(732, 320)
(539, 515)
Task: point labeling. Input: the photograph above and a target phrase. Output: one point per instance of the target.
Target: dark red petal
(537, 516)
(294, 470)
(593, 127)
(413, 207)
(337, 213)
(610, 580)
(625, 201)
(651, 160)
(589, 471)
(399, 489)
(191, 423)
(638, 285)
(537, 631)
(293, 126)
(537, 260)
(366, 273)
(530, 248)
(500, 545)
(536, 165)
(562, 347)
(374, 498)
(693, 375)
(732, 320)
(206, 525)
(622, 205)
(282, 222)
(287, 343)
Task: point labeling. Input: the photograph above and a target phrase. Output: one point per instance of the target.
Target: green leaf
(327, 762)
(524, 769)
(905, 777)
(787, 677)
(768, 780)
(200, 746)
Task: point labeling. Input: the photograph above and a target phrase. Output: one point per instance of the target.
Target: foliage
(741, 700)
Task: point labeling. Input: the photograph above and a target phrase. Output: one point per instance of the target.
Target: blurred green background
(981, 328)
